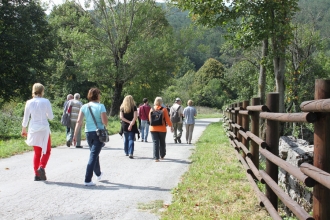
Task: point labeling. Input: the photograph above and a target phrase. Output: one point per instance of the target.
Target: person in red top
(143, 114)
(158, 132)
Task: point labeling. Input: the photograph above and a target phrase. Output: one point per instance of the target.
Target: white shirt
(40, 110)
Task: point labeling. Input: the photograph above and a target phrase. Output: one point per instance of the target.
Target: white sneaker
(90, 184)
(99, 178)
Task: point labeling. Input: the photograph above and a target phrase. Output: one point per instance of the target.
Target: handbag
(65, 119)
(102, 133)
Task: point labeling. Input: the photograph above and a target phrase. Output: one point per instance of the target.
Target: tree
(25, 44)
(66, 74)
(119, 26)
(249, 23)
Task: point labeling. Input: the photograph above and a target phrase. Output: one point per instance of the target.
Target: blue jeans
(144, 128)
(129, 142)
(95, 147)
(158, 139)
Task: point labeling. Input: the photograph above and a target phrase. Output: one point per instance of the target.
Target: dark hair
(145, 100)
(93, 94)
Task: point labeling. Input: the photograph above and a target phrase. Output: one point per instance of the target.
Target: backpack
(65, 119)
(156, 117)
(175, 117)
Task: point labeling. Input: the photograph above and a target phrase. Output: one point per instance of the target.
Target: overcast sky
(51, 3)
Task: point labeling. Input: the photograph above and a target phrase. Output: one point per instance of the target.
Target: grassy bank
(215, 187)
(17, 145)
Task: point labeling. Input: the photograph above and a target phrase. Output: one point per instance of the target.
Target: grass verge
(17, 145)
(215, 187)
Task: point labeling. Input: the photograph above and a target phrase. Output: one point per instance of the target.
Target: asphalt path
(127, 183)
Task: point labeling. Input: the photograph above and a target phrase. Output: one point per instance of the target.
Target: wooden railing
(242, 128)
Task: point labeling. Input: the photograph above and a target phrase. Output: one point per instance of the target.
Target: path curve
(127, 182)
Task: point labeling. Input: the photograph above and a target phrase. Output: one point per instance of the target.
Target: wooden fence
(243, 130)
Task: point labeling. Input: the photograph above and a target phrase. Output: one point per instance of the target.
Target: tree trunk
(279, 70)
(116, 99)
(262, 72)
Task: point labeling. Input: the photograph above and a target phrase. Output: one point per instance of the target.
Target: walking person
(128, 116)
(75, 104)
(158, 132)
(177, 125)
(68, 98)
(189, 113)
(40, 111)
(95, 145)
(144, 115)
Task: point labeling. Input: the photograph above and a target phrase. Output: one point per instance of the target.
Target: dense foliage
(155, 49)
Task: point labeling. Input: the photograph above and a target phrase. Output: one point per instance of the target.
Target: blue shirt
(97, 109)
(189, 114)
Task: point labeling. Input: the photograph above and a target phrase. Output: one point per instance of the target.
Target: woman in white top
(38, 135)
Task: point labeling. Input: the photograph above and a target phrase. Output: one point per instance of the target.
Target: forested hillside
(163, 50)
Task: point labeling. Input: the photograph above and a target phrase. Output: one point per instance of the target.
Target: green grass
(17, 145)
(215, 187)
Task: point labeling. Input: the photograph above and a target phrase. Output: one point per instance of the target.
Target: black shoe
(79, 147)
(179, 140)
(68, 143)
(175, 141)
(42, 173)
(131, 156)
(37, 178)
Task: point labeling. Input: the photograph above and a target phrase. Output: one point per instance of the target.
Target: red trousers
(40, 160)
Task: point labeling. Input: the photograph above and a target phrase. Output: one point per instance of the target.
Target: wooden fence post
(255, 130)
(272, 139)
(245, 124)
(239, 121)
(321, 194)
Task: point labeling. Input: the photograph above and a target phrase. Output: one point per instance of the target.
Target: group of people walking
(38, 111)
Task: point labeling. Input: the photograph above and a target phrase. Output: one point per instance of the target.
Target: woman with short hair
(158, 132)
(189, 113)
(94, 143)
(128, 116)
(38, 135)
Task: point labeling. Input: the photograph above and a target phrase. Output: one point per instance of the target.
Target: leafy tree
(67, 75)
(119, 26)
(25, 44)
(249, 23)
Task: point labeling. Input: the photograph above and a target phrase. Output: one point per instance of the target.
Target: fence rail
(242, 128)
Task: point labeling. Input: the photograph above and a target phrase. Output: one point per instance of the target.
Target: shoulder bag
(102, 133)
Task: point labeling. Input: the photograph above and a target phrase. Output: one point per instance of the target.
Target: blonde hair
(128, 104)
(38, 90)
(158, 101)
(190, 102)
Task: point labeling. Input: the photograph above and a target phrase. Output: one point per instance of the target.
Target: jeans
(95, 147)
(189, 132)
(129, 142)
(177, 127)
(144, 128)
(158, 139)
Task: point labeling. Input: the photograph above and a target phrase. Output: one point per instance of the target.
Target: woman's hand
(23, 132)
(172, 129)
(74, 140)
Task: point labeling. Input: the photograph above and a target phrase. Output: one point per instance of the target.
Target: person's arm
(104, 118)
(78, 126)
(49, 111)
(167, 119)
(25, 120)
(123, 118)
(133, 121)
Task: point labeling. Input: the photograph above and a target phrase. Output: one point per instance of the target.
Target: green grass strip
(215, 186)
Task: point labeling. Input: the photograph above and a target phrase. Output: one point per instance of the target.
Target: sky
(51, 3)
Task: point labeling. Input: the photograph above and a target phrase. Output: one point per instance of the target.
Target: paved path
(127, 182)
